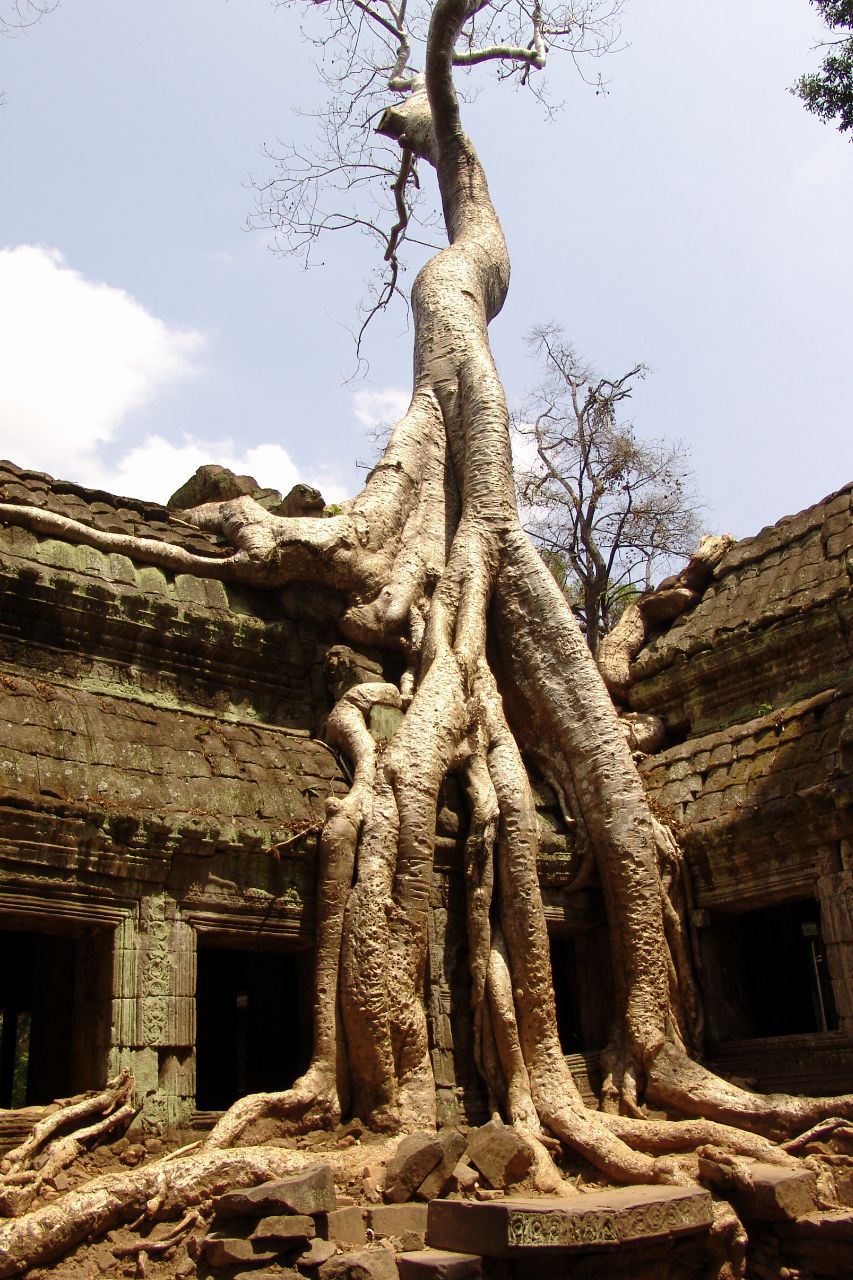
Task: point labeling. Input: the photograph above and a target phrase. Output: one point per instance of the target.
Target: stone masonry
(163, 777)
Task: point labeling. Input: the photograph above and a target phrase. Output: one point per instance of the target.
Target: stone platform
(515, 1228)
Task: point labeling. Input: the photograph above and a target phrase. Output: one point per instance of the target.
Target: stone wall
(755, 688)
(162, 781)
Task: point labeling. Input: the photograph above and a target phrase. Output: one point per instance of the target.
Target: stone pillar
(153, 1030)
(834, 892)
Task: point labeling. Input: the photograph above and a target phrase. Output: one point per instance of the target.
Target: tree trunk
(434, 562)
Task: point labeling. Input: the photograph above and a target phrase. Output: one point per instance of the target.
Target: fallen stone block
(226, 1251)
(397, 1219)
(415, 1158)
(309, 1191)
(762, 1192)
(370, 1264)
(371, 1183)
(438, 1264)
(453, 1145)
(287, 1229)
(345, 1226)
(500, 1153)
(280, 1273)
(318, 1252)
(464, 1177)
(509, 1228)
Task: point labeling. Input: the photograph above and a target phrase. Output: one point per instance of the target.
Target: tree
(607, 509)
(434, 564)
(828, 93)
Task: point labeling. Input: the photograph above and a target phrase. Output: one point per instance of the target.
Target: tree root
(162, 1190)
(36, 1162)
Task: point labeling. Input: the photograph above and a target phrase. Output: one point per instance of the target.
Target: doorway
(253, 1022)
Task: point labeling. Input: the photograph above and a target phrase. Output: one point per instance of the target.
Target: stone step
(511, 1227)
(439, 1264)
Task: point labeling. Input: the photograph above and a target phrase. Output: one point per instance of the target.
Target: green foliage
(828, 93)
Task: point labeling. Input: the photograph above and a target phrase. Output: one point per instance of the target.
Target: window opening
(766, 973)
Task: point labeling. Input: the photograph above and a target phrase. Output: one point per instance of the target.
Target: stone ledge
(509, 1227)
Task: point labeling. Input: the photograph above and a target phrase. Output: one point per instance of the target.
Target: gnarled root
(675, 1081)
(58, 1139)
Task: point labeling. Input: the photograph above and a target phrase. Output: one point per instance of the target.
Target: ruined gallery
(164, 778)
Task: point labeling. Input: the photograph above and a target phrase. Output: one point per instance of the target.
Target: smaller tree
(829, 92)
(608, 511)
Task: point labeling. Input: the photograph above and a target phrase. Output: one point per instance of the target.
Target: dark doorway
(583, 989)
(54, 1014)
(766, 973)
(253, 1022)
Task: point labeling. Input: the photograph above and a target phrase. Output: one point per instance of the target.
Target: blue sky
(695, 218)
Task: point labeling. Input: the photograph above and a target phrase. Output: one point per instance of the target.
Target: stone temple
(163, 778)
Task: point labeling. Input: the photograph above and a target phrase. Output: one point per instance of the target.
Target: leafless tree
(432, 562)
(608, 509)
(18, 15)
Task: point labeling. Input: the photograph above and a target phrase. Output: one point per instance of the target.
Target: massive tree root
(434, 564)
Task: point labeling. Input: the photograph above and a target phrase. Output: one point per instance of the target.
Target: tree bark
(433, 561)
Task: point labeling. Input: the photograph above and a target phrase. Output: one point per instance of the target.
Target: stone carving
(566, 1229)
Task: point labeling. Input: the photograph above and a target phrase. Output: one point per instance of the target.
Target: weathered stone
(211, 483)
(763, 1192)
(345, 1226)
(507, 1227)
(280, 1273)
(415, 1158)
(230, 1251)
(302, 500)
(395, 1219)
(287, 1228)
(370, 1264)
(318, 1252)
(453, 1145)
(500, 1153)
(371, 1183)
(465, 1177)
(310, 1191)
(408, 1242)
(438, 1264)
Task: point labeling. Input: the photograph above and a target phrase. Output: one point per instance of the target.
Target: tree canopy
(828, 93)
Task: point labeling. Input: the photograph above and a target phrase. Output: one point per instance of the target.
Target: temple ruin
(163, 777)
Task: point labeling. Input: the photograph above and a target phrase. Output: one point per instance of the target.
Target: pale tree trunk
(434, 562)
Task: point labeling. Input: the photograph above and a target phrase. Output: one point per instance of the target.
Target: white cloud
(376, 408)
(157, 467)
(77, 357)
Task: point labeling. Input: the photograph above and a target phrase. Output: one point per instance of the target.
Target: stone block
(318, 1252)
(345, 1226)
(285, 1229)
(414, 1159)
(437, 1264)
(397, 1219)
(762, 1192)
(508, 1228)
(500, 1153)
(226, 1251)
(370, 1264)
(453, 1145)
(310, 1191)
(465, 1177)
